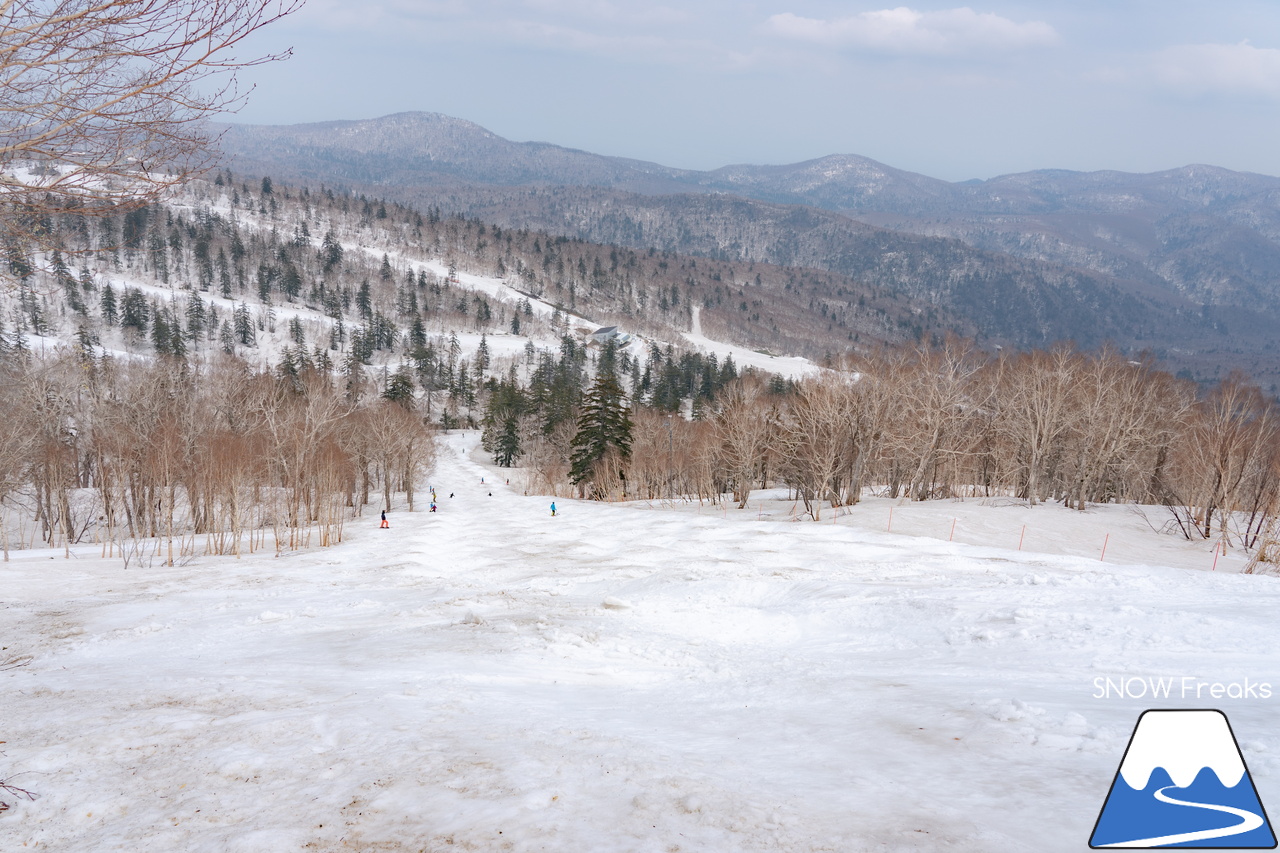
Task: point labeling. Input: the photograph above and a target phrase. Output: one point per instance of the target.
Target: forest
(928, 421)
(248, 365)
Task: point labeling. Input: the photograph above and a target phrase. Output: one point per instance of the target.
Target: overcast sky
(951, 91)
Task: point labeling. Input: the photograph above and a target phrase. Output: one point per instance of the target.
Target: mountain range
(1184, 263)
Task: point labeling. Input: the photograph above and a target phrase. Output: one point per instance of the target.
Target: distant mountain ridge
(1187, 258)
(431, 149)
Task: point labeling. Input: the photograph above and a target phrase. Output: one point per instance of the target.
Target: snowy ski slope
(618, 678)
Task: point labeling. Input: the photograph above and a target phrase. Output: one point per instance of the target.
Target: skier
(451, 494)
(433, 506)
(553, 509)
(386, 525)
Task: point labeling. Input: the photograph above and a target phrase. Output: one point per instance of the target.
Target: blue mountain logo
(1183, 783)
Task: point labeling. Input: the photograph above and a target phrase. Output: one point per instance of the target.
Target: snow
(627, 677)
(494, 287)
(790, 367)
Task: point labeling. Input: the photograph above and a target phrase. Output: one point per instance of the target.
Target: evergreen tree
(603, 426)
(330, 252)
(18, 263)
(224, 277)
(728, 372)
(399, 387)
(227, 338)
(417, 335)
(501, 423)
(109, 311)
(244, 326)
(290, 281)
(135, 314)
(289, 369)
(364, 301)
(160, 333)
(196, 317)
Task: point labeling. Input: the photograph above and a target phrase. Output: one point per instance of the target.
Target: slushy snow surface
(617, 678)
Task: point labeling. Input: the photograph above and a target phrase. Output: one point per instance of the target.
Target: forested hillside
(312, 338)
(1179, 263)
(252, 358)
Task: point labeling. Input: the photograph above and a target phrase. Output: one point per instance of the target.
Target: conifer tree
(417, 335)
(603, 426)
(244, 326)
(501, 423)
(135, 313)
(108, 302)
(399, 387)
(196, 317)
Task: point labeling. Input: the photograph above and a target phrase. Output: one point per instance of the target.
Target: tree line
(194, 457)
(926, 422)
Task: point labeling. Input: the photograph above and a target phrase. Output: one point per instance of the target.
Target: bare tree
(1226, 453)
(742, 429)
(937, 404)
(103, 102)
(1036, 413)
(815, 436)
(17, 440)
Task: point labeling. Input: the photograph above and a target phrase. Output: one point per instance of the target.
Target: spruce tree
(109, 311)
(501, 423)
(603, 425)
(399, 387)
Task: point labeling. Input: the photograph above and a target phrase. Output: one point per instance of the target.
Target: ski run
(621, 677)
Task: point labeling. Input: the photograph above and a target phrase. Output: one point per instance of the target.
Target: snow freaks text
(1178, 687)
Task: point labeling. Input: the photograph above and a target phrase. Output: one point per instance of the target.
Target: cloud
(907, 31)
(614, 13)
(634, 45)
(1218, 69)
(598, 28)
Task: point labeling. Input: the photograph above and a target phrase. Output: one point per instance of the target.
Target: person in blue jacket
(553, 509)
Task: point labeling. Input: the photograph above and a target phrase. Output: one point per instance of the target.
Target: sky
(954, 92)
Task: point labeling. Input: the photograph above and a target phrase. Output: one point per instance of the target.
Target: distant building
(609, 333)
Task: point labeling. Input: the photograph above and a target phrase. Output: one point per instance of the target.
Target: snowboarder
(386, 525)
(433, 506)
(451, 494)
(553, 509)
